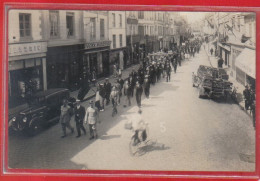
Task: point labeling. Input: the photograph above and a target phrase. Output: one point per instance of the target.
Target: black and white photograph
(131, 90)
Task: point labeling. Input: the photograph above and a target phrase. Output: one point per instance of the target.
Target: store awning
(246, 61)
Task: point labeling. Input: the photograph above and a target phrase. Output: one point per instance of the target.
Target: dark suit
(79, 117)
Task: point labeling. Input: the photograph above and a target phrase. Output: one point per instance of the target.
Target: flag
(229, 28)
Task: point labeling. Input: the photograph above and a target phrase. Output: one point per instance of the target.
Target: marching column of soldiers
(152, 69)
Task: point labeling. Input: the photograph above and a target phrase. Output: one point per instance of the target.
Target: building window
(121, 40)
(114, 41)
(25, 25)
(93, 28)
(54, 23)
(141, 15)
(113, 19)
(120, 20)
(70, 24)
(102, 29)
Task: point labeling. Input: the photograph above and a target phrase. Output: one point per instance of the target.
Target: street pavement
(187, 134)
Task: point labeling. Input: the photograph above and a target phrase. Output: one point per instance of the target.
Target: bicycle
(137, 146)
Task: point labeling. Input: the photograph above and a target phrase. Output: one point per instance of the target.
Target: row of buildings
(234, 38)
(61, 48)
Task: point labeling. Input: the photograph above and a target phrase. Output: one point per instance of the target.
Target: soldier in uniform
(91, 119)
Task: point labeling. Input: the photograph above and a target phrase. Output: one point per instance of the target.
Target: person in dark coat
(138, 94)
(147, 86)
(175, 64)
(120, 81)
(211, 51)
(168, 73)
(107, 87)
(79, 117)
(131, 83)
(247, 96)
(220, 62)
(102, 94)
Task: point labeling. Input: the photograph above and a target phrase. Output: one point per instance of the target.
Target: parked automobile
(43, 109)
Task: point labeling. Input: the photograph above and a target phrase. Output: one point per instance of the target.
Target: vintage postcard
(131, 90)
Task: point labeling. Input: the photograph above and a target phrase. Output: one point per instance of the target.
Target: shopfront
(64, 66)
(96, 58)
(224, 51)
(27, 71)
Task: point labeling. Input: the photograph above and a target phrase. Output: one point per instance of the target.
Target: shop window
(70, 24)
(102, 29)
(25, 25)
(54, 24)
(114, 41)
(92, 28)
(121, 40)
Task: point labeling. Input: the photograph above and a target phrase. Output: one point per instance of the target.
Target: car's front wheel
(34, 128)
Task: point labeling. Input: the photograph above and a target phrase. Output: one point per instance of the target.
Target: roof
(246, 61)
(49, 92)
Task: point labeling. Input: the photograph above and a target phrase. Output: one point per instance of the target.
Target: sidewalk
(240, 88)
(91, 93)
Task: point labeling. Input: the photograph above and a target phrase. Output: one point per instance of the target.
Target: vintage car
(43, 109)
(212, 82)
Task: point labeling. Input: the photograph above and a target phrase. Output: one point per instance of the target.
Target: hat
(146, 76)
(106, 79)
(91, 102)
(77, 100)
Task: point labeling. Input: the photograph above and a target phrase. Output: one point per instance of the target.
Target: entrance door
(93, 62)
(105, 61)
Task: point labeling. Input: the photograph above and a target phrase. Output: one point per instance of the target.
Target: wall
(13, 25)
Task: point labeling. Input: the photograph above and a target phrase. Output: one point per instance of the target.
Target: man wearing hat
(79, 116)
(147, 86)
(91, 119)
(65, 116)
(107, 87)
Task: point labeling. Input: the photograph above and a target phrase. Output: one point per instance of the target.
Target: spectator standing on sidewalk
(138, 94)
(79, 117)
(220, 62)
(246, 94)
(98, 98)
(91, 119)
(127, 93)
(115, 70)
(102, 97)
(108, 87)
(211, 51)
(65, 116)
(147, 86)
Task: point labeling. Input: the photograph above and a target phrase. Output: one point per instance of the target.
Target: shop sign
(97, 44)
(27, 48)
